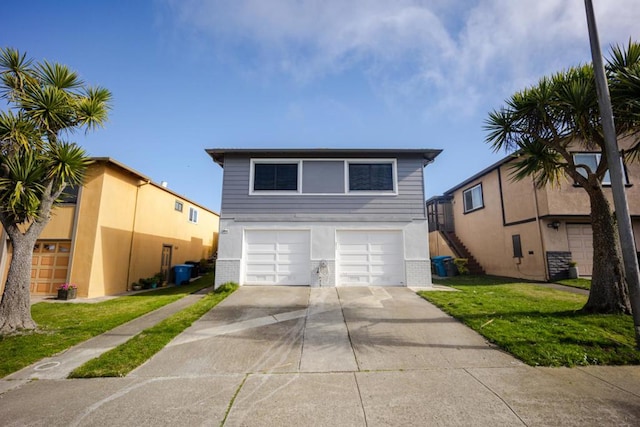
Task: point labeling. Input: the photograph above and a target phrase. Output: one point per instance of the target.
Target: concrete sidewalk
(332, 356)
(61, 365)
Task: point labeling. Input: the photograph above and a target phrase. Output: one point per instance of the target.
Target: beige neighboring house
(120, 226)
(513, 229)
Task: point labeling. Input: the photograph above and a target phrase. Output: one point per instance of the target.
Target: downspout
(74, 233)
(542, 245)
(133, 232)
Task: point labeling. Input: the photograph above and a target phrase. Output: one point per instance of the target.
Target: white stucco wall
(323, 246)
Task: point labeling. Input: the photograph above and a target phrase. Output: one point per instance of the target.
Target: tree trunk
(15, 306)
(609, 293)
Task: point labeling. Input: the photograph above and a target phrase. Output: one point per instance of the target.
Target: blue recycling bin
(181, 273)
(439, 262)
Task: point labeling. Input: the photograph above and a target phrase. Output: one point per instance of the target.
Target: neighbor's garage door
(581, 246)
(370, 258)
(49, 266)
(277, 257)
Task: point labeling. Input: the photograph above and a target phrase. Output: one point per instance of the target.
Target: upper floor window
(371, 176)
(275, 176)
(193, 215)
(70, 194)
(592, 160)
(323, 177)
(473, 198)
(178, 206)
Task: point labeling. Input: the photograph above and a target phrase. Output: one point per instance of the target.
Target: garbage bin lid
(441, 257)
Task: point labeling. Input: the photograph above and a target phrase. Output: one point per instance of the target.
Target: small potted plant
(67, 291)
(145, 282)
(136, 286)
(573, 270)
(158, 278)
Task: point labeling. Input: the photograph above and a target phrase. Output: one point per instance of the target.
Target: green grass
(540, 326)
(63, 325)
(576, 283)
(121, 360)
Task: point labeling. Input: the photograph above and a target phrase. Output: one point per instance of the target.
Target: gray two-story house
(323, 217)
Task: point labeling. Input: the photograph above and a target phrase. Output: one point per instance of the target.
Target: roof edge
(217, 154)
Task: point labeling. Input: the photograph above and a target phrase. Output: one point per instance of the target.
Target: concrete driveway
(332, 357)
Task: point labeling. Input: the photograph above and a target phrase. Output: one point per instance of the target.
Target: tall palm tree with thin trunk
(544, 125)
(46, 102)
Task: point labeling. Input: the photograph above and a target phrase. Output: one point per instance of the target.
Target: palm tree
(46, 102)
(543, 125)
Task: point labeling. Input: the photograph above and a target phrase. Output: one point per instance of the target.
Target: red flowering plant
(67, 286)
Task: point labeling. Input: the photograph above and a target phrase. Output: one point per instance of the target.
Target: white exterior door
(581, 246)
(277, 257)
(370, 258)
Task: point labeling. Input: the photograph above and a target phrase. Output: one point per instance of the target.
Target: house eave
(428, 155)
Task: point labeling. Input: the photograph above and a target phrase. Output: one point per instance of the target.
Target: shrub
(461, 265)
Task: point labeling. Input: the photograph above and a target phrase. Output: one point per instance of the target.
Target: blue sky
(193, 74)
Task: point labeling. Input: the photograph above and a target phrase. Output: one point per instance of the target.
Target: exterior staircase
(461, 251)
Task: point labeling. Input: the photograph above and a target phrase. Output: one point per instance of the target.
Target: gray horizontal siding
(409, 203)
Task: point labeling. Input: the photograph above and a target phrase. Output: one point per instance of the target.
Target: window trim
(300, 163)
(394, 178)
(464, 204)
(193, 212)
(598, 155)
(252, 174)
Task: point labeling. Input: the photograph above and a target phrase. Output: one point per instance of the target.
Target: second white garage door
(277, 257)
(370, 258)
(581, 246)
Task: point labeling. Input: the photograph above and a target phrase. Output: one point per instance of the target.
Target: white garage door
(581, 246)
(370, 258)
(277, 257)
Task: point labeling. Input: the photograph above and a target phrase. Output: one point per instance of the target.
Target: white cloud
(451, 57)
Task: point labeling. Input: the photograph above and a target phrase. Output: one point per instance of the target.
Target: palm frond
(66, 163)
(16, 131)
(58, 76)
(21, 189)
(93, 109)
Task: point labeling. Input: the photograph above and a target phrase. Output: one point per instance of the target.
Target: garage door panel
(580, 239)
(370, 258)
(277, 257)
(259, 257)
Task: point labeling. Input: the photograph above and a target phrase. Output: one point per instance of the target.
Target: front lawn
(576, 283)
(63, 325)
(540, 326)
(118, 362)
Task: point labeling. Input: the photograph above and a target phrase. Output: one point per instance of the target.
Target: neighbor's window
(371, 176)
(591, 160)
(178, 206)
(517, 246)
(193, 215)
(473, 198)
(275, 177)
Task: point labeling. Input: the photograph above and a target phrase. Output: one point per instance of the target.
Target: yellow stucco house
(119, 227)
(514, 229)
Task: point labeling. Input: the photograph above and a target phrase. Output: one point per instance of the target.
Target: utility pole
(625, 230)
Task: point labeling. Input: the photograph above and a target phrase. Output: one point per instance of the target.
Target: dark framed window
(178, 206)
(517, 246)
(592, 160)
(70, 194)
(275, 177)
(371, 177)
(473, 198)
